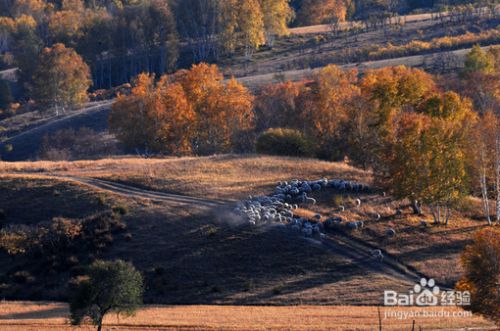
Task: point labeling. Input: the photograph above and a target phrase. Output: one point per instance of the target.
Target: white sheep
(310, 201)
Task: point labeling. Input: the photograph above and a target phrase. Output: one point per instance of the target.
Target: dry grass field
(223, 177)
(192, 250)
(27, 316)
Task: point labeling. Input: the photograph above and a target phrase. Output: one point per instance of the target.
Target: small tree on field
(481, 262)
(478, 60)
(111, 286)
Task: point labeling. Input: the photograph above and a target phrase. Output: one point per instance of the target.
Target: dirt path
(296, 75)
(363, 253)
(136, 192)
(26, 144)
(50, 122)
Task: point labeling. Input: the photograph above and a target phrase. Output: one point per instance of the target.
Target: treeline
(429, 140)
(120, 39)
(311, 12)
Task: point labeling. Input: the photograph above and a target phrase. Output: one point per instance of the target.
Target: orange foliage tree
(154, 117)
(481, 261)
(191, 112)
(326, 112)
(322, 11)
(224, 110)
(61, 78)
(277, 106)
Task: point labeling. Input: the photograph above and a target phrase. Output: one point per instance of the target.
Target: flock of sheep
(279, 207)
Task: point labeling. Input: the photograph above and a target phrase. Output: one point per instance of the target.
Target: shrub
(280, 141)
(67, 144)
(101, 200)
(120, 209)
(278, 290)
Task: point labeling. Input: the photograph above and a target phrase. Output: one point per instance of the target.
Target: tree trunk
(447, 214)
(484, 196)
(415, 205)
(484, 187)
(497, 175)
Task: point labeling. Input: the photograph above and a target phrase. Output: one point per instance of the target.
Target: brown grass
(30, 199)
(54, 316)
(434, 250)
(225, 176)
(208, 257)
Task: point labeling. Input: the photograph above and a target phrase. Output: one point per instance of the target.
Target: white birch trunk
(497, 175)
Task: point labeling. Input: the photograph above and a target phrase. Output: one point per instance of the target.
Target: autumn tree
(154, 117)
(223, 110)
(26, 46)
(321, 11)
(387, 92)
(327, 111)
(426, 155)
(481, 262)
(251, 24)
(191, 112)
(485, 153)
(216, 27)
(61, 79)
(277, 15)
(277, 106)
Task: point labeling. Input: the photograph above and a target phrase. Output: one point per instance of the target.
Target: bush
(281, 141)
(120, 209)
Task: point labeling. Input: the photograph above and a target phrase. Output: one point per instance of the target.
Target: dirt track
(136, 192)
(26, 144)
(296, 75)
(354, 250)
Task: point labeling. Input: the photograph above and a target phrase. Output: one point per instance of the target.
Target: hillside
(300, 51)
(193, 250)
(24, 133)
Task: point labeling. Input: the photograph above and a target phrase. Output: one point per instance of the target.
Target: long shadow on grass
(438, 250)
(57, 312)
(202, 259)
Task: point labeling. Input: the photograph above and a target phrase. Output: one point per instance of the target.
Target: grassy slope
(26, 131)
(191, 254)
(32, 199)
